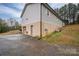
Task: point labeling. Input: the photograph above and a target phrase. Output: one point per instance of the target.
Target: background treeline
(4, 26)
(69, 12)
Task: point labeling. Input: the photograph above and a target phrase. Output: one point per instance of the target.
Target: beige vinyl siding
(31, 14)
(31, 17)
(35, 29)
(50, 22)
(52, 19)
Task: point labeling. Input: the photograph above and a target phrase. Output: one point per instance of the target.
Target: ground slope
(68, 36)
(65, 42)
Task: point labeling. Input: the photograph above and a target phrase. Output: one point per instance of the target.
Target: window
(26, 32)
(31, 29)
(46, 31)
(48, 12)
(31, 25)
(26, 18)
(24, 28)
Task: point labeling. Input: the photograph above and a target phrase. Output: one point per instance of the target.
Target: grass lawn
(68, 36)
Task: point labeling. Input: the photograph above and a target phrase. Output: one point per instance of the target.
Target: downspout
(41, 21)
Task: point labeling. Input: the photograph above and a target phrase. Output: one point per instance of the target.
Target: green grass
(51, 38)
(68, 36)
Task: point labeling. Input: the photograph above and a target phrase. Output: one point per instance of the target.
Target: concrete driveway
(20, 45)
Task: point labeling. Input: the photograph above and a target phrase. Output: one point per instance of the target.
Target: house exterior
(39, 19)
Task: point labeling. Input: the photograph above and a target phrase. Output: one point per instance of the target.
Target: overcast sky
(14, 10)
(56, 5)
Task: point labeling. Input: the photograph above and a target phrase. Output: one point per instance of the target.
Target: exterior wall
(48, 28)
(30, 17)
(31, 14)
(50, 22)
(35, 29)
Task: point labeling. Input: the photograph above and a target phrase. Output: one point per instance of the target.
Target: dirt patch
(11, 32)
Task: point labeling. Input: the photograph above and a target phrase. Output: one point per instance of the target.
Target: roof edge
(52, 10)
(47, 6)
(24, 9)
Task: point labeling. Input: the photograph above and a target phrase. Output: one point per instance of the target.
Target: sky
(56, 5)
(14, 10)
(10, 10)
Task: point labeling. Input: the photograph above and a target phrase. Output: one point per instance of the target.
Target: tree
(72, 12)
(3, 26)
(68, 12)
(78, 15)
